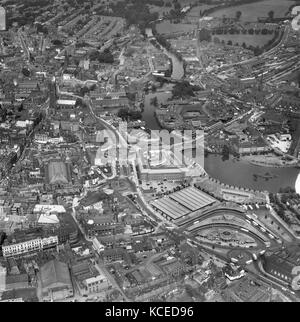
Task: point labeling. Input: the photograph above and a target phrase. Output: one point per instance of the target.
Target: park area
(249, 40)
(252, 11)
(249, 13)
(166, 27)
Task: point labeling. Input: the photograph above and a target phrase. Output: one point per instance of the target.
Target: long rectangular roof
(170, 207)
(183, 202)
(192, 198)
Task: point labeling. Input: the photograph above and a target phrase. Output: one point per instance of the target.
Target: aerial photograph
(150, 153)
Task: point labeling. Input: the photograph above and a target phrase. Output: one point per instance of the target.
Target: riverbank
(271, 161)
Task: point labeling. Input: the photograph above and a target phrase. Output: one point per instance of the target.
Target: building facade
(33, 245)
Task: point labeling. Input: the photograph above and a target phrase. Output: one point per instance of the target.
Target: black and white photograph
(149, 154)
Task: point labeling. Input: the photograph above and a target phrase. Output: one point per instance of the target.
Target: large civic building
(285, 266)
(58, 173)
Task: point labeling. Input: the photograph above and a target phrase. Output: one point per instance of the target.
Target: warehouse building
(56, 281)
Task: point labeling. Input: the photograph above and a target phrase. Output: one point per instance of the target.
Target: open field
(250, 12)
(166, 27)
(253, 40)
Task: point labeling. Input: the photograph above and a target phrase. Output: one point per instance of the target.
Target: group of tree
(225, 153)
(57, 42)
(223, 5)
(163, 41)
(184, 90)
(136, 12)
(128, 115)
(250, 31)
(26, 72)
(204, 35)
(176, 12)
(103, 57)
(257, 50)
(154, 101)
(41, 28)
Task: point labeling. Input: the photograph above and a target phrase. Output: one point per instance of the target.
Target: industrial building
(182, 203)
(284, 265)
(56, 281)
(58, 173)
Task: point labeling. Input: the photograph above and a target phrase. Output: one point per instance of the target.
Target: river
(237, 173)
(240, 173)
(162, 95)
(148, 114)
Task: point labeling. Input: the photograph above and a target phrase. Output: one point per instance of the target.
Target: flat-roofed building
(163, 173)
(65, 104)
(96, 284)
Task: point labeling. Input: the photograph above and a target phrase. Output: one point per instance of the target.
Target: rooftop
(55, 273)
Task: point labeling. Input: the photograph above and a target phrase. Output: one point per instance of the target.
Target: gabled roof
(55, 273)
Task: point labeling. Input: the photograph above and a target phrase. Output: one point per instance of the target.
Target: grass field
(166, 27)
(253, 40)
(250, 12)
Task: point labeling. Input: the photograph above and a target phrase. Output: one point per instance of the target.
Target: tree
(204, 35)
(57, 42)
(216, 40)
(125, 114)
(271, 14)
(26, 72)
(257, 51)
(84, 90)
(225, 153)
(183, 90)
(154, 101)
(104, 57)
(238, 15)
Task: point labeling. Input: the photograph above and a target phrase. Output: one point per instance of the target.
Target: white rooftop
(49, 208)
(66, 102)
(48, 219)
